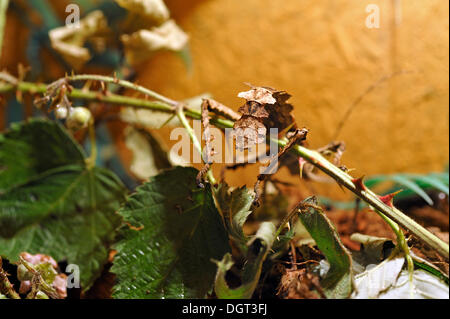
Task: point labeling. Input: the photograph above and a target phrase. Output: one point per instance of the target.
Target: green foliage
(259, 247)
(410, 184)
(30, 150)
(51, 203)
(413, 183)
(234, 206)
(173, 232)
(338, 282)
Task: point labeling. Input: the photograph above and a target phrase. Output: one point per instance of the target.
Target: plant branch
(310, 156)
(5, 285)
(123, 83)
(3, 9)
(371, 198)
(35, 88)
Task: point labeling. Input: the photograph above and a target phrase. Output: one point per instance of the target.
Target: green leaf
(427, 266)
(282, 243)
(338, 282)
(51, 203)
(415, 184)
(234, 206)
(259, 247)
(175, 232)
(434, 182)
(374, 180)
(401, 180)
(28, 150)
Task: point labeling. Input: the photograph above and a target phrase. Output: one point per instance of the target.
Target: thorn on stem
(388, 199)
(359, 183)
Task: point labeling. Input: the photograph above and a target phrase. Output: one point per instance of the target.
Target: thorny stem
(310, 156)
(36, 88)
(372, 199)
(123, 83)
(401, 243)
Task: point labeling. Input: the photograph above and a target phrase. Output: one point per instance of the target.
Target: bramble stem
(123, 83)
(189, 129)
(401, 243)
(372, 199)
(36, 88)
(311, 156)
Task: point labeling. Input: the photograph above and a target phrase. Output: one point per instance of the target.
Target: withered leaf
(279, 115)
(265, 107)
(261, 95)
(151, 9)
(69, 41)
(149, 154)
(249, 131)
(254, 109)
(139, 45)
(269, 104)
(299, 284)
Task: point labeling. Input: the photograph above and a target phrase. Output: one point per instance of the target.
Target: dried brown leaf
(261, 95)
(69, 41)
(139, 45)
(254, 109)
(269, 104)
(298, 284)
(249, 131)
(154, 10)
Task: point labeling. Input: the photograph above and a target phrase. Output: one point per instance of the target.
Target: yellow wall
(324, 55)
